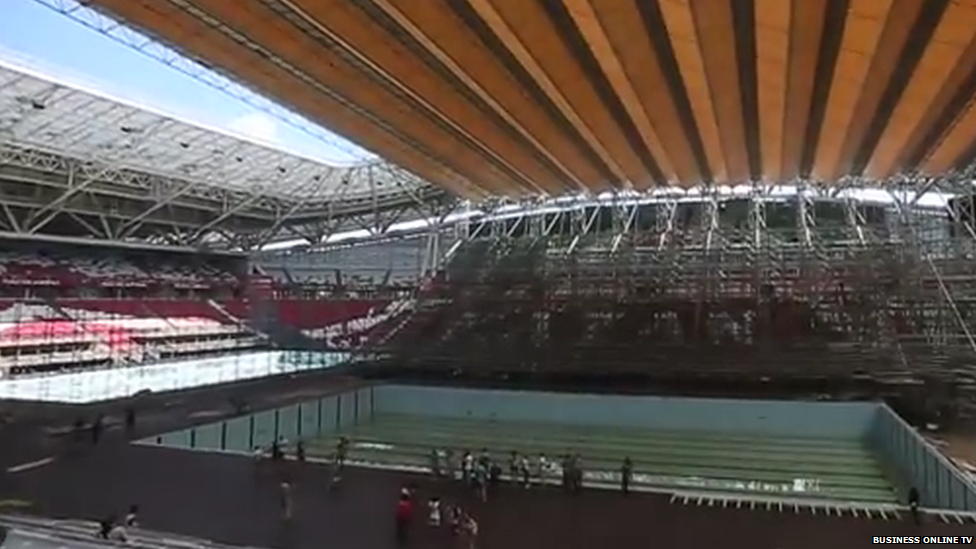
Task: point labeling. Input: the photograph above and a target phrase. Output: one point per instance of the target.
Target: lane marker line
(30, 465)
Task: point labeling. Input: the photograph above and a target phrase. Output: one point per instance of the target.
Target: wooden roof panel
(681, 31)
(514, 45)
(539, 35)
(772, 51)
(716, 41)
(624, 28)
(858, 44)
(956, 29)
(445, 35)
(595, 35)
(516, 97)
(806, 25)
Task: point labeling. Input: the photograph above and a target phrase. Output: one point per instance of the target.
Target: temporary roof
(522, 97)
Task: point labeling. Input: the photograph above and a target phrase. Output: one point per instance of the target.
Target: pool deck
(221, 497)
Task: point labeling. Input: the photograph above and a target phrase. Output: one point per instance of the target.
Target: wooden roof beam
(517, 38)
(949, 59)
(896, 32)
(592, 29)
(772, 52)
(954, 144)
(715, 31)
(859, 43)
(573, 178)
(680, 25)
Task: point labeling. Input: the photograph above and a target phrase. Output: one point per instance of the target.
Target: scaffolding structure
(823, 283)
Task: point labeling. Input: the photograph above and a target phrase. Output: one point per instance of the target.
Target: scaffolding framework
(822, 283)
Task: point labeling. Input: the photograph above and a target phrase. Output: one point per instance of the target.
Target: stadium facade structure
(859, 290)
(75, 162)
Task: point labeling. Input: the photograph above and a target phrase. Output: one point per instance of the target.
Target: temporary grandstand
(718, 198)
(840, 287)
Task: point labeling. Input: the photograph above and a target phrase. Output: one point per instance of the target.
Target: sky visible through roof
(32, 33)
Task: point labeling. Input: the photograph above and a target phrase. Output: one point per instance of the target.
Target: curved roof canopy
(522, 97)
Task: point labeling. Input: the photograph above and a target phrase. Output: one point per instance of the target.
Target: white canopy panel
(38, 111)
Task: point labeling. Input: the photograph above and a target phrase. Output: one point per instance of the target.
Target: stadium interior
(719, 201)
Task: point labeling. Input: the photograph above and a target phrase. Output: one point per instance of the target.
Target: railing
(883, 511)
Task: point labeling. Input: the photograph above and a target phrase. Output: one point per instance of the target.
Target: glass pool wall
(307, 420)
(940, 483)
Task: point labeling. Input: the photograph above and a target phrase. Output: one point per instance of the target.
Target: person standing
(481, 480)
(434, 512)
(300, 452)
(626, 474)
(542, 468)
(286, 501)
(130, 421)
(513, 462)
(450, 465)
(913, 500)
(470, 531)
(96, 429)
(435, 462)
(342, 451)
(523, 471)
(404, 516)
(467, 467)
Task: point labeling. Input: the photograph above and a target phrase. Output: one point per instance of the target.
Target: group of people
(458, 522)
(482, 471)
